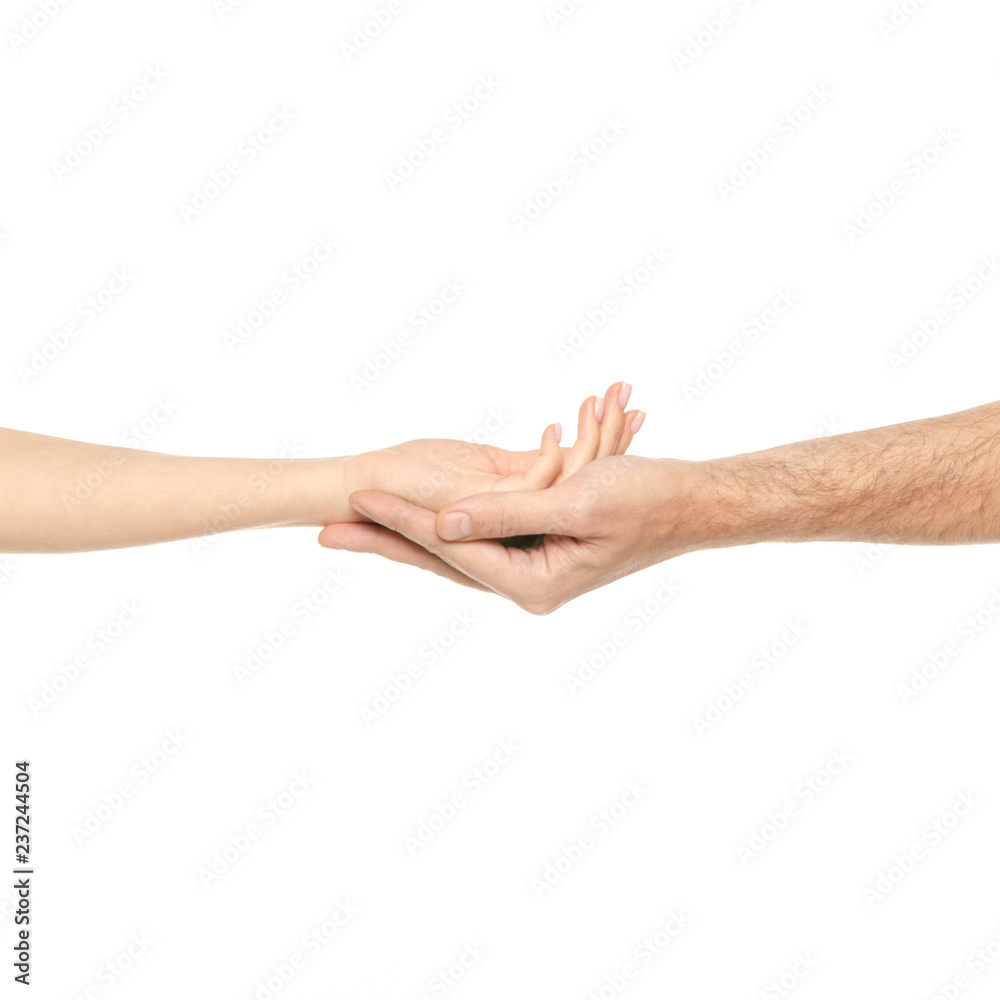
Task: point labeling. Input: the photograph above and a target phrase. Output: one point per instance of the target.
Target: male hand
(927, 482)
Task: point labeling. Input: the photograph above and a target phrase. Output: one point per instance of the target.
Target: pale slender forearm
(67, 496)
(928, 482)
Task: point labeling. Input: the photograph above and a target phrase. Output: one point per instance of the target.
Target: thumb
(502, 515)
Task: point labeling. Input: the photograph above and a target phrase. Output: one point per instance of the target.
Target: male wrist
(687, 509)
(785, 494)
(727, 505)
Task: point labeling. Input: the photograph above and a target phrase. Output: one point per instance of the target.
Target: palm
(424, 477)
(435, 472)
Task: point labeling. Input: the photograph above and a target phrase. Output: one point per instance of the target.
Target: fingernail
(455, 526)
(623, 396)
(637, 422)
(558, 430)
(599, 408)
(362, 512)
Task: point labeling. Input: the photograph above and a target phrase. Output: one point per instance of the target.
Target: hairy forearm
(933, 481)
(67, 496)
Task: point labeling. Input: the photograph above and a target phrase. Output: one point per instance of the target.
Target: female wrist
(313, 492)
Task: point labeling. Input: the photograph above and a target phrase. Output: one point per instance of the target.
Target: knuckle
(372, 541)
(504, 519)
(381, 539)
(584, 513)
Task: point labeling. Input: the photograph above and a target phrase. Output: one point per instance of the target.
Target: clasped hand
(596, 515)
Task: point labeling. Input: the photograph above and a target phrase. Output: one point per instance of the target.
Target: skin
(71, 496)
(927, 482)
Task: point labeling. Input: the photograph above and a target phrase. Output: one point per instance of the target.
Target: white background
(871, 616)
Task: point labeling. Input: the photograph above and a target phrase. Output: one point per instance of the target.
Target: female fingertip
(637, 423)
(599, 408)
(623, 395)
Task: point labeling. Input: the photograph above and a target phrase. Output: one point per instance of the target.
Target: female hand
(433, 472)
